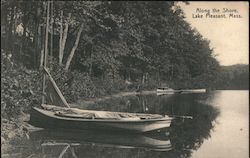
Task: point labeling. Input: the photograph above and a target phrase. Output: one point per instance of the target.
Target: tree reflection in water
(183, 136)
(188, 134)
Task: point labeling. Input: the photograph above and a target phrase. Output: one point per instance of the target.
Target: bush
(20, 88)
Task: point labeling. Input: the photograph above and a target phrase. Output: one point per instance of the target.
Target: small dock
(193, 91)
(181, 91)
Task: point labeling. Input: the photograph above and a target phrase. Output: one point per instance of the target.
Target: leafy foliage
(20, 88)
(135, 41)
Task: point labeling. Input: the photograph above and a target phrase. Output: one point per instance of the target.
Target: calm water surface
(219, 129)
(230, 137)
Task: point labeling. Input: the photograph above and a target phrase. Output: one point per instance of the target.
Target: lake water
(219, 128)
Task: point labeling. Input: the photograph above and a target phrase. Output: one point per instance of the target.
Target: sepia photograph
(124, 79)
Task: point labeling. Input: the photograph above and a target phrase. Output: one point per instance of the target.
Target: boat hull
(46, 119)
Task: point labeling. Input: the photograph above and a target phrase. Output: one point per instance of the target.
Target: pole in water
(46, 50)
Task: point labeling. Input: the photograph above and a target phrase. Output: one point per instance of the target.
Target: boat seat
(89, 115)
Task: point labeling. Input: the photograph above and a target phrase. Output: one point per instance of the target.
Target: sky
(228, 36)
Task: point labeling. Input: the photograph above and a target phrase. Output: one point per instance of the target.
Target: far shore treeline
(97, 48)
(233, 77)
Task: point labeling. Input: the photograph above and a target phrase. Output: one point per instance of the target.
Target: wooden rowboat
(96, 120)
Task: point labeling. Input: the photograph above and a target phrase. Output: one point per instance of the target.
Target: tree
(63, 36)
(74, 48)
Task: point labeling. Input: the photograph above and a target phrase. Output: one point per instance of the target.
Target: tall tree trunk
(46, 49)
(42, 32)
(41, 43)
(51, 32)
(64, 38)
(74, 48)
(90, 66)
(172, 72)
(10, 34)
(4, 26)
(37, 35)
(46, 35)
(15, 20)
(23, 42)
(65, 35)
(36, 38)
(25, 20)
(60, 39)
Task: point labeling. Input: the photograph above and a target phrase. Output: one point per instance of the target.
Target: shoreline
(117, 95)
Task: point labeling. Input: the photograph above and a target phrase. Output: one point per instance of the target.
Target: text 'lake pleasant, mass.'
(216, 13)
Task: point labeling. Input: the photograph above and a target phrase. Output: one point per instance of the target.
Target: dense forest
(138, 42)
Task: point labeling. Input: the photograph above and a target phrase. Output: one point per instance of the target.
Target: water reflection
(185, 135)
(111, 139)
(180, 140)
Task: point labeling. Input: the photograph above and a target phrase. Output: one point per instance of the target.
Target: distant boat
(58, 117)
(166, 90)
(193, 91)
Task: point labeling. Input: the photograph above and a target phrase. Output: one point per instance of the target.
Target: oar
(181, 116)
